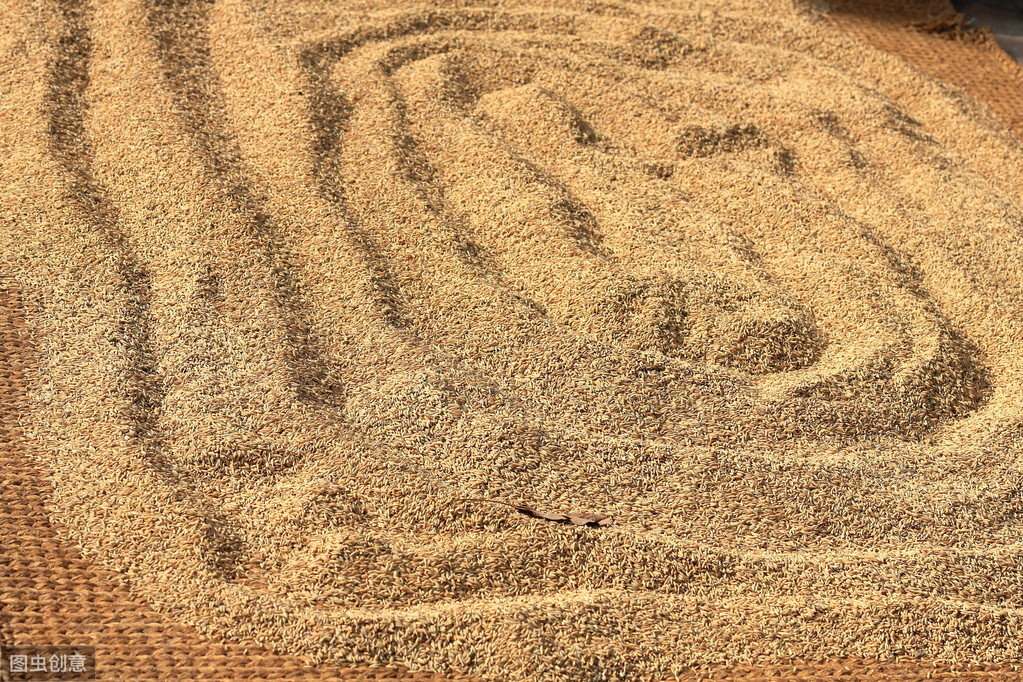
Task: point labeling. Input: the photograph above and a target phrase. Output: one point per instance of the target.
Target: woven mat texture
(973, 62)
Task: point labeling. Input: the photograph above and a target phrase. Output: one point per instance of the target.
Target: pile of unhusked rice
(305, 275)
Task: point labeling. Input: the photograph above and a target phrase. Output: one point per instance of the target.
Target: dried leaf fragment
(576, 519)
(587, 519)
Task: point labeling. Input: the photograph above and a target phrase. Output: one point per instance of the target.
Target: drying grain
(308, 276)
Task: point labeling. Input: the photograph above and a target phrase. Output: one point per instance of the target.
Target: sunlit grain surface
(304, 275)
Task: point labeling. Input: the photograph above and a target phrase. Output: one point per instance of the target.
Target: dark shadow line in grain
(66, 107)
(329, 115)
(413, 163)
(330, 111)
(419, 171)
(974, 376)
(580, 225)
(576, 221)
(179, 29)
(329, 52)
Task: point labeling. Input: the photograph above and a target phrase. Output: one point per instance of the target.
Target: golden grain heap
(303, 275)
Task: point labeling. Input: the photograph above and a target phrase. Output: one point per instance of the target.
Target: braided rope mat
(911, 29)
(50, 595)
